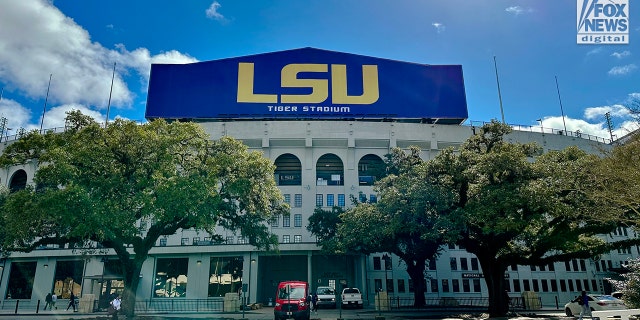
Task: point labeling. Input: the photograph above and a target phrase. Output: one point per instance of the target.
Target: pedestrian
(583, 301)
(54, 299)
(72, 302)
(314, 300)
(47, 301)
(116, 303)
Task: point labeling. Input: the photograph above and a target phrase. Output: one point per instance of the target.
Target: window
(545, 285)
(377, 283)
(554, 285)
(474, 263)
(445, 285)
(526, 285)
(286, 221)
(434, 285)
(373, 198)
(297, 220)
(432, 264)
(516, 285)
(570, 282)
(340, 200)
(552, 267)
(229, 240)
(287, 198)
(583, 266)
(184, 241)
(563, 285)
(286, 238)
(195, 241)
(454, 264)
(242, 240)
(594, 285)
(579, 285)
(297, 200)
(574, 264)
(586, 285)
(476, 285)
(401, 285)
(330, 200)
(533, 268)
(362, 197)
(376, 263)
(163, 242)
(171, 278)
(225, 275)
(463, 264)
(388, 264)
(275, 221)
(455, 284)
(465, 285)
(297, 238)
(536, 286)
(514, 267)
(21, 280)
(567, 266)
(390, 287)
(319, 200)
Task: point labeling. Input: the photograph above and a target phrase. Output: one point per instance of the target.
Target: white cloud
(212, 12)
(17, 115)
(54, 117)
(622, 70)
(594, 51)
(439, 26)
(518, 10)
(615, 110)
(622, 54)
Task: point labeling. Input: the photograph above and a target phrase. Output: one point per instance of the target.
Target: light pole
(541, 127)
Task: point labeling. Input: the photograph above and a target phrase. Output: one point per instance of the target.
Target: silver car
(597, 302)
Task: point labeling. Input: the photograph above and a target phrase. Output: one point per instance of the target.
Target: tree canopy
(95, 186)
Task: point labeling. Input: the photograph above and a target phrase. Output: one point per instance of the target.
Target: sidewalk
(267, 314)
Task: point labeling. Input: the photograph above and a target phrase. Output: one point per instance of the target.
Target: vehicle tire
(567, 311)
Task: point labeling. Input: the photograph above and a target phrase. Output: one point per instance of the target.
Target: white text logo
(603, 21)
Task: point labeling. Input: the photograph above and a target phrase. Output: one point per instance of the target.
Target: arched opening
(288, 170)
(329, 171)
(370, 168)
(18, 181)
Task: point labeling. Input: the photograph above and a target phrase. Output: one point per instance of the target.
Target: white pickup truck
(351, 297)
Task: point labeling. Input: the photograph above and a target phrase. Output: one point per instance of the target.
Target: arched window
(370, 169)
(18, 181)
(288, 170)
(329, 171)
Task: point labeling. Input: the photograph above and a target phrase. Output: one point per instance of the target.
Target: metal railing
(399, 303)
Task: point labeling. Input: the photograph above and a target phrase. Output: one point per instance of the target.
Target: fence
(456, 302)
(147, 305)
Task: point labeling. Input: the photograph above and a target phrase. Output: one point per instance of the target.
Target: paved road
(267, 314)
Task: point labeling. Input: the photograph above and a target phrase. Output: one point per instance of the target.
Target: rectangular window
(225, 275)
(377, 283)
(21, 280)
(476, 285)
(195, 241)
(330, 200)
(287, 198)
(163, 242)
(567, 265)
(297, 238)
(229, 240)
(373, 198)
(445, 285)
(390, 287)
(286, 238)
(455, 285)
(362, 197)
(432, 264)
(563, 285)
(583, 266)
(474, 263)
(526, 285)
(68, 276)
(463, 264)
(167, 271)
(241, 240)
(574, 264)
(466, 287)
(434, 285)
(536, 286)
(275, 221)
(184, 241)
(554, 285)
(533, 268)
(376, 263)
(545, 285)
(586, 285)
(570, 282)
(552, 267)
(516, 285)
(297, 220)
(453, 263)
(297, 200)
(319, 200)
(340, 200)
(578, 285)
(401, 286)
(286, 221)
(388, 265)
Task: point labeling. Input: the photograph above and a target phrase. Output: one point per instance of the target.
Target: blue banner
(307, 83)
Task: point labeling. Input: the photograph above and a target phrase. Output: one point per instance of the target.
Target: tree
(509, 209)
(323, 224)
(406, 220)
(95, 185)
(630, 284)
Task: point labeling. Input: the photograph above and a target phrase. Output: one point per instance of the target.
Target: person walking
(116, 303)
(583, 301)
(72, 302)
(314, 300)
(47, 301)
(54, 299)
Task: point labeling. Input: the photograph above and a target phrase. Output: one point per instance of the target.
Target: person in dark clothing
(47, 301)
(72, 302)
(584, 303)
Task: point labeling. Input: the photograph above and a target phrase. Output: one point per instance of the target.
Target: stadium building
(326, 119)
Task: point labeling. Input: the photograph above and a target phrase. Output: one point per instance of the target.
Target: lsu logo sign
(290, 77)
(603, 21)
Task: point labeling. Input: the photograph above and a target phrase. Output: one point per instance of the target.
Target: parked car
(351, 297)
(326, 297)
(597, 302)
(292, 301)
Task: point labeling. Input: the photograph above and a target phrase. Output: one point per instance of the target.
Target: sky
(59, 55)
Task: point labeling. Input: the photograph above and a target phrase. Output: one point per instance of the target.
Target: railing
(455, 302)
(528, 128)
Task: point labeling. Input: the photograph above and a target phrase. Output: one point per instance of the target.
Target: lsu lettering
(319, 87)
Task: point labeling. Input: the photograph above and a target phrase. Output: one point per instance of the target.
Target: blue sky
(78, 42)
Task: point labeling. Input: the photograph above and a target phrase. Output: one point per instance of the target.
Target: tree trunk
(494, 278)
(415, 269)
(131, 280)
